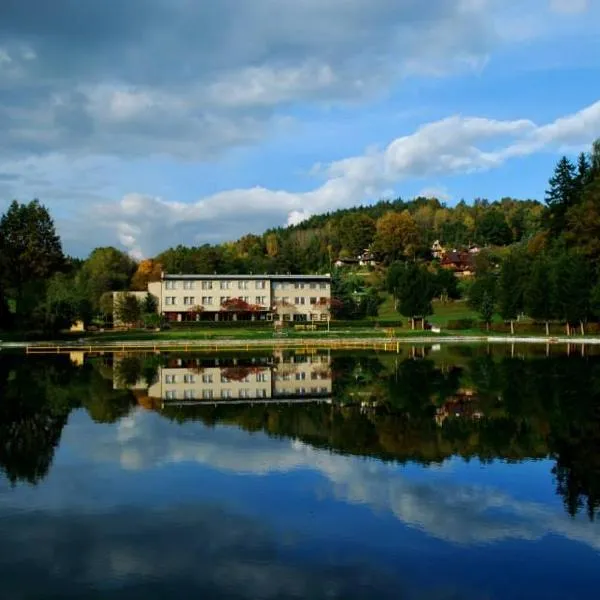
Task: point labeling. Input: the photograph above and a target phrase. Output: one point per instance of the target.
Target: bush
(217, 324)
(460, 324)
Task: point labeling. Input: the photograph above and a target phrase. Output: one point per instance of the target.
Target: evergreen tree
(127, 309)
(539, 292)
(582, 178)
(484, 283)
(486, 309)
(510, 288)
(561, 195)
(572, 283)
(415, 290)
(149, 304)
(30, 248)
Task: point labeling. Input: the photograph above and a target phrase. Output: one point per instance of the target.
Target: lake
(434, 473)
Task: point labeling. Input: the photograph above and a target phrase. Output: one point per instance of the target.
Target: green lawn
(442, 313)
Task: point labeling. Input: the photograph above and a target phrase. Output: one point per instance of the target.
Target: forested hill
(555, 243)
(394, 230)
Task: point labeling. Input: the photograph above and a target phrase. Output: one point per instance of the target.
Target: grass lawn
(442, 313)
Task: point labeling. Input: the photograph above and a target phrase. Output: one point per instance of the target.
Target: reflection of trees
(31, 419)
(524, 409)
(36, 396)
(385, 407)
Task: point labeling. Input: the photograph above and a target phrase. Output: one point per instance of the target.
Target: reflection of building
(462, 405)
(211, 380)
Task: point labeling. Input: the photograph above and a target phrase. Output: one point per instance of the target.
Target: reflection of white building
(279, 378)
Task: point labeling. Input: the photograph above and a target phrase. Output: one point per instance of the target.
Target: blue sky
(156, 122)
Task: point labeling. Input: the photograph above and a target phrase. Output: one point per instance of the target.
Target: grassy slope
(442, 313)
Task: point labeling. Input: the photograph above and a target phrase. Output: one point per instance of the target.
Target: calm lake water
(447, 473)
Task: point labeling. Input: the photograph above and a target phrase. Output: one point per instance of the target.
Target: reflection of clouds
(460, 514)
(142, 554)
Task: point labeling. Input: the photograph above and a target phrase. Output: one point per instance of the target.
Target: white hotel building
(243, 297)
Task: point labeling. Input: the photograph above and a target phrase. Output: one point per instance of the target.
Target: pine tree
(486, 309)
(572, 283)
(415, 290)
(539, 292)
(510, 289)
(562, 194)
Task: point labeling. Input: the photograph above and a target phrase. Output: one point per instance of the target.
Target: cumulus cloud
(461, 514)
(454, 145)
(191, 79)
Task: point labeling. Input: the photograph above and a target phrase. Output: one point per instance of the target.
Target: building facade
(281, 377)
(243, 297)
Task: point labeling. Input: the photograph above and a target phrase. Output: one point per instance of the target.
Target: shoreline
(389, 344)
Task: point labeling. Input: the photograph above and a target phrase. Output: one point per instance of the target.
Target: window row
(208, 300)
(300, 285)
(208, 285)
(209, 394)
(302, 376)
(300, 300)
(208, 378)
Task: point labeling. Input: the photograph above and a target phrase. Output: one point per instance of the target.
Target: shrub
(460, 324)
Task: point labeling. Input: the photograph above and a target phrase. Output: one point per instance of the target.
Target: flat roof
(275, 277)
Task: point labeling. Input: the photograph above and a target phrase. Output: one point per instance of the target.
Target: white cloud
(163, 77)
(458, 513)
(439, 192)
(454, 145)
(569, 6)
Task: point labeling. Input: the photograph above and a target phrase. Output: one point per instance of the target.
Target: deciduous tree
(397, 236)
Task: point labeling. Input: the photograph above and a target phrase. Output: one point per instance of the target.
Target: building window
(189, 300)
(245, 393)
(207, 394)
(189, 378)
(170, 395)
(170, 300)
(300, 376)
(323, 390)
(261, 377)
(170, 285)
(206, 299)
(225, 393)
(224, 379)
(261, 299)
(207, 378)
(223, 300)
(207, 285)
(225, 285)
(324, 316)
(261, 285)
(189, 394)
(299, 286)
(300, 300)
(246, 299)
(313, 300)
(287, 317)
(313, 286)
(261, 393)
(242, 285)
(170, 379)
(188, 285)
(323, 286)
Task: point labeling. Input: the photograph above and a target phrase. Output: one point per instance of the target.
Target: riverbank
(386, 344)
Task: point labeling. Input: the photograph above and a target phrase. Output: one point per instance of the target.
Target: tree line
(539, 258)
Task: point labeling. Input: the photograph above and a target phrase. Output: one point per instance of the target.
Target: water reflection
(431, 474)
(468, 403)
